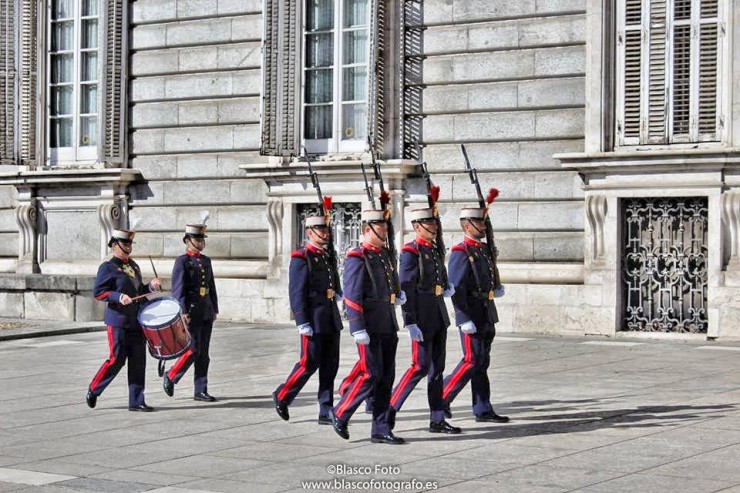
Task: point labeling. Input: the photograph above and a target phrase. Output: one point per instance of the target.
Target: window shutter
(28, 81)
(7, 81)
(629, 130)
(281, 77)
(656, 100)
(708, 118)
(377, 72)
(112, 148)
(681, 104)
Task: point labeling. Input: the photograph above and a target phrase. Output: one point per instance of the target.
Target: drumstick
(153, 268)
(147, 294)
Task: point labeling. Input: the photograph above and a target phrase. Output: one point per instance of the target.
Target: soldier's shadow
(579, 421)
(222, 402)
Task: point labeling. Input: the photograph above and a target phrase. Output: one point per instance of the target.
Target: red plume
(327, 204)
(434, 193)
(492, 194)
(385, 199)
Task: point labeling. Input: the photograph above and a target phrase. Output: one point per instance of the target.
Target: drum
(164, 329)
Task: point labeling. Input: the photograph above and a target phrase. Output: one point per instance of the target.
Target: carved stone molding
(731, 220)
(109, 216)
(25, 216)
(275, 232)
(596, 210)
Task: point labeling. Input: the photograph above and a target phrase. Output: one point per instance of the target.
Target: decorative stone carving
(109, 216)
(275, 222)
(596, 210)
(25, 216)
(731, 220)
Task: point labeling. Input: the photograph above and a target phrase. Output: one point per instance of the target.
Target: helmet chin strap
(383, 240)
(479, 231)
(432, 233)
(324, 239)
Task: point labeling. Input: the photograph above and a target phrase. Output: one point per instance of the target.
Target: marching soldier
(370, 297)
(471, 271)
(118, 283)
(313, 300)
(422, 276)
(194, 287)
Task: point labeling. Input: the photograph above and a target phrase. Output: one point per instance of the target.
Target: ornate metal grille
(345, 225)
(665, 264)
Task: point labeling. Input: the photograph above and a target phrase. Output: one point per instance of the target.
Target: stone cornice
(636, 162)
(288, 171)
(71, 177)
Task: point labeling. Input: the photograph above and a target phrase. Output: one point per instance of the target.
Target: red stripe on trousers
(180, 363)
(347, 400)
(300, 371)
(467, 364)
(415, 366)
(108, 363)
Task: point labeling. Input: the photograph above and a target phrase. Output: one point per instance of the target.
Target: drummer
(119, 283)
(194, 288)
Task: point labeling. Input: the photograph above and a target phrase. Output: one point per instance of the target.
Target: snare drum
(164, 329)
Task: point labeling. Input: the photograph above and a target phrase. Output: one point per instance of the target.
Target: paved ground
(588, 415)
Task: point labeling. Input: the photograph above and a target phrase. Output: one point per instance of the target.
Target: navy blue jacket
(194, 287)
(368, 285)
(421, 272)
(310, 277)
(116, 277)
(471, 271)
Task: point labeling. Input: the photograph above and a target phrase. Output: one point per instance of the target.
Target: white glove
(305, 330)
(361, 337)
(415, 333)
(499, 292)
(468, 328)
(449, 291)
(401, 298)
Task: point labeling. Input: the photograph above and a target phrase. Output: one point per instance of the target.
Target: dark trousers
(472, 368)
(318, 352)
(123, 344)
(197, 354)
(427, 359)
(375, 375)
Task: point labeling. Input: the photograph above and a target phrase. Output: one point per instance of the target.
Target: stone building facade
(600, 121)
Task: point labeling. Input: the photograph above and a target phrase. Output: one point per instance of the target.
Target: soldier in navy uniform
(194, 287)
(312, 287)
(117, 283)
(471, 270)
(423, 278)
(370, 296)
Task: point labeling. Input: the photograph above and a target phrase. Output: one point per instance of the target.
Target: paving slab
(587, 415)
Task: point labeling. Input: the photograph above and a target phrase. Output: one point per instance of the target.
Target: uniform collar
(471, 241)
(192, 253)
(369, 246)
(122, 260)
(314, 248)
(421, 241)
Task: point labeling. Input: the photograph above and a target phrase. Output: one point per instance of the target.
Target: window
(335, 75)
(669, 71)
(73, 80)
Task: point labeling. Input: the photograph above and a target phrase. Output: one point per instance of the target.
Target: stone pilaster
(731, 222)
(26, 216)
(275, 231)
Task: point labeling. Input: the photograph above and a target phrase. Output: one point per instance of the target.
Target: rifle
(432, 196)
(325, 205)
(483, 204)
(385, 204)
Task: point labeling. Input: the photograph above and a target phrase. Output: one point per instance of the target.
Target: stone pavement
(588, 415)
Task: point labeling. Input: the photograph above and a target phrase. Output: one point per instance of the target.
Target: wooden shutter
(281, 78)
(112, 147)
(708, 120)
(377, 72)
(657, 64)
(631, 40)
(28, 80)
(7, 82)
